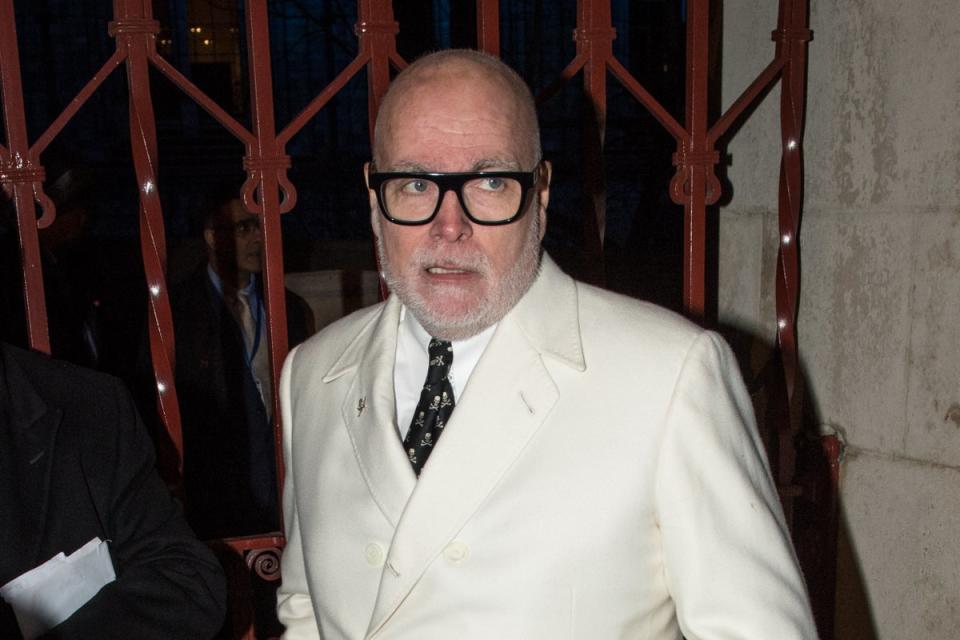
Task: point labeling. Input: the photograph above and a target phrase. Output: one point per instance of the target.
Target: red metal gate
(268, 192)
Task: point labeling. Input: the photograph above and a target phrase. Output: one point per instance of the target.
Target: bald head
(460, 71)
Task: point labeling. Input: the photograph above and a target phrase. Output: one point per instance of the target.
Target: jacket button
(374, 554)
(456, 552)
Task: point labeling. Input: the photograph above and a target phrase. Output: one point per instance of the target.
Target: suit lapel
(34, 427)
(369, 410)
(507, 399)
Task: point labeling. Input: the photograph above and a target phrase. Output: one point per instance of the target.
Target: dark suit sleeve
(169, 584)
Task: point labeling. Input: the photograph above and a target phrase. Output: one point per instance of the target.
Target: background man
(223, 375)
(600, 475)
(76, 464)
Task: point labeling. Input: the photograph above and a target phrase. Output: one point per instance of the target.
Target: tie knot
(441, 357)
(439, 347)
(238, 299)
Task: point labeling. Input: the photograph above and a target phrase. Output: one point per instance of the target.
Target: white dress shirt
(412, 361)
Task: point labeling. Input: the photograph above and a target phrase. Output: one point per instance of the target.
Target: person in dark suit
(223, 376)
(75, 464)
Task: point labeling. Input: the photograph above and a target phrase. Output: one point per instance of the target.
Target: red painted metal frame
(135, 30)
(695, 185)
(488, 26)
(22, 178)
(791, 37)
(268, 192)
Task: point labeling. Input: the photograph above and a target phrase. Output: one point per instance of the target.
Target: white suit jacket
(601, 477)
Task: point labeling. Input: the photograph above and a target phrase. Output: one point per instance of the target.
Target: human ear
(210, 238)
(543, 194)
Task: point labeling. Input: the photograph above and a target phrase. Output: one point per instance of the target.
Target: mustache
(467, 260)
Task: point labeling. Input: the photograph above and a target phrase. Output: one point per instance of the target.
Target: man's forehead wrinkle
(432, 144)
(481, 164)
(410, 137)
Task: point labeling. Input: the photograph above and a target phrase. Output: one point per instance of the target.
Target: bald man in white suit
(600, 476)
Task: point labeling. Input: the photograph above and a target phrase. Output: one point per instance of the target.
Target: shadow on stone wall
(854, 617)
(820, 533)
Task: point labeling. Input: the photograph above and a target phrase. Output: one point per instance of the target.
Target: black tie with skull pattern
(435, 406)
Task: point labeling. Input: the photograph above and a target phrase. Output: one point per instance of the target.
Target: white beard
(444, 311)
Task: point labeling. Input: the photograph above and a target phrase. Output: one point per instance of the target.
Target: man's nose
(451, 223)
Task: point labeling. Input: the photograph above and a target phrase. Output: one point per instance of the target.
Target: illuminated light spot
(207, 42)
(149, 187)
(155, 290)
(792, 144)
(781, 323)
(162, 388)
(786, 238)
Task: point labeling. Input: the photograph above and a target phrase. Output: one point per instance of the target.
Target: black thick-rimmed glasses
(487, 197)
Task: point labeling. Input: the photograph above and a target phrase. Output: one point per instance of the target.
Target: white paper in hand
(47, 595)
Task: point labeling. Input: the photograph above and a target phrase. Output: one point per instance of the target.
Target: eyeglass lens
(485, 198)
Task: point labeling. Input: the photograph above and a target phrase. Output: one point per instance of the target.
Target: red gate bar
(488, 26)
(266, 164)
(594, 36)
(22, 179)
(135, 31)
(377, 31)
(791, 37)
(696, 158)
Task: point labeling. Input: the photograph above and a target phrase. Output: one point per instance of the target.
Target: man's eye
(416, 186)
(492, 184)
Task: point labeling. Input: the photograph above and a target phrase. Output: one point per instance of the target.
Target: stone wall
(880, 292)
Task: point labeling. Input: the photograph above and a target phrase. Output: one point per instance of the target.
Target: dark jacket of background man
(76, 463)
(228, 437)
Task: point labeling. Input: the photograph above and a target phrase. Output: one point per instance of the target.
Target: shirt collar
(466, 353)
(423, 338)
(250, 290)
